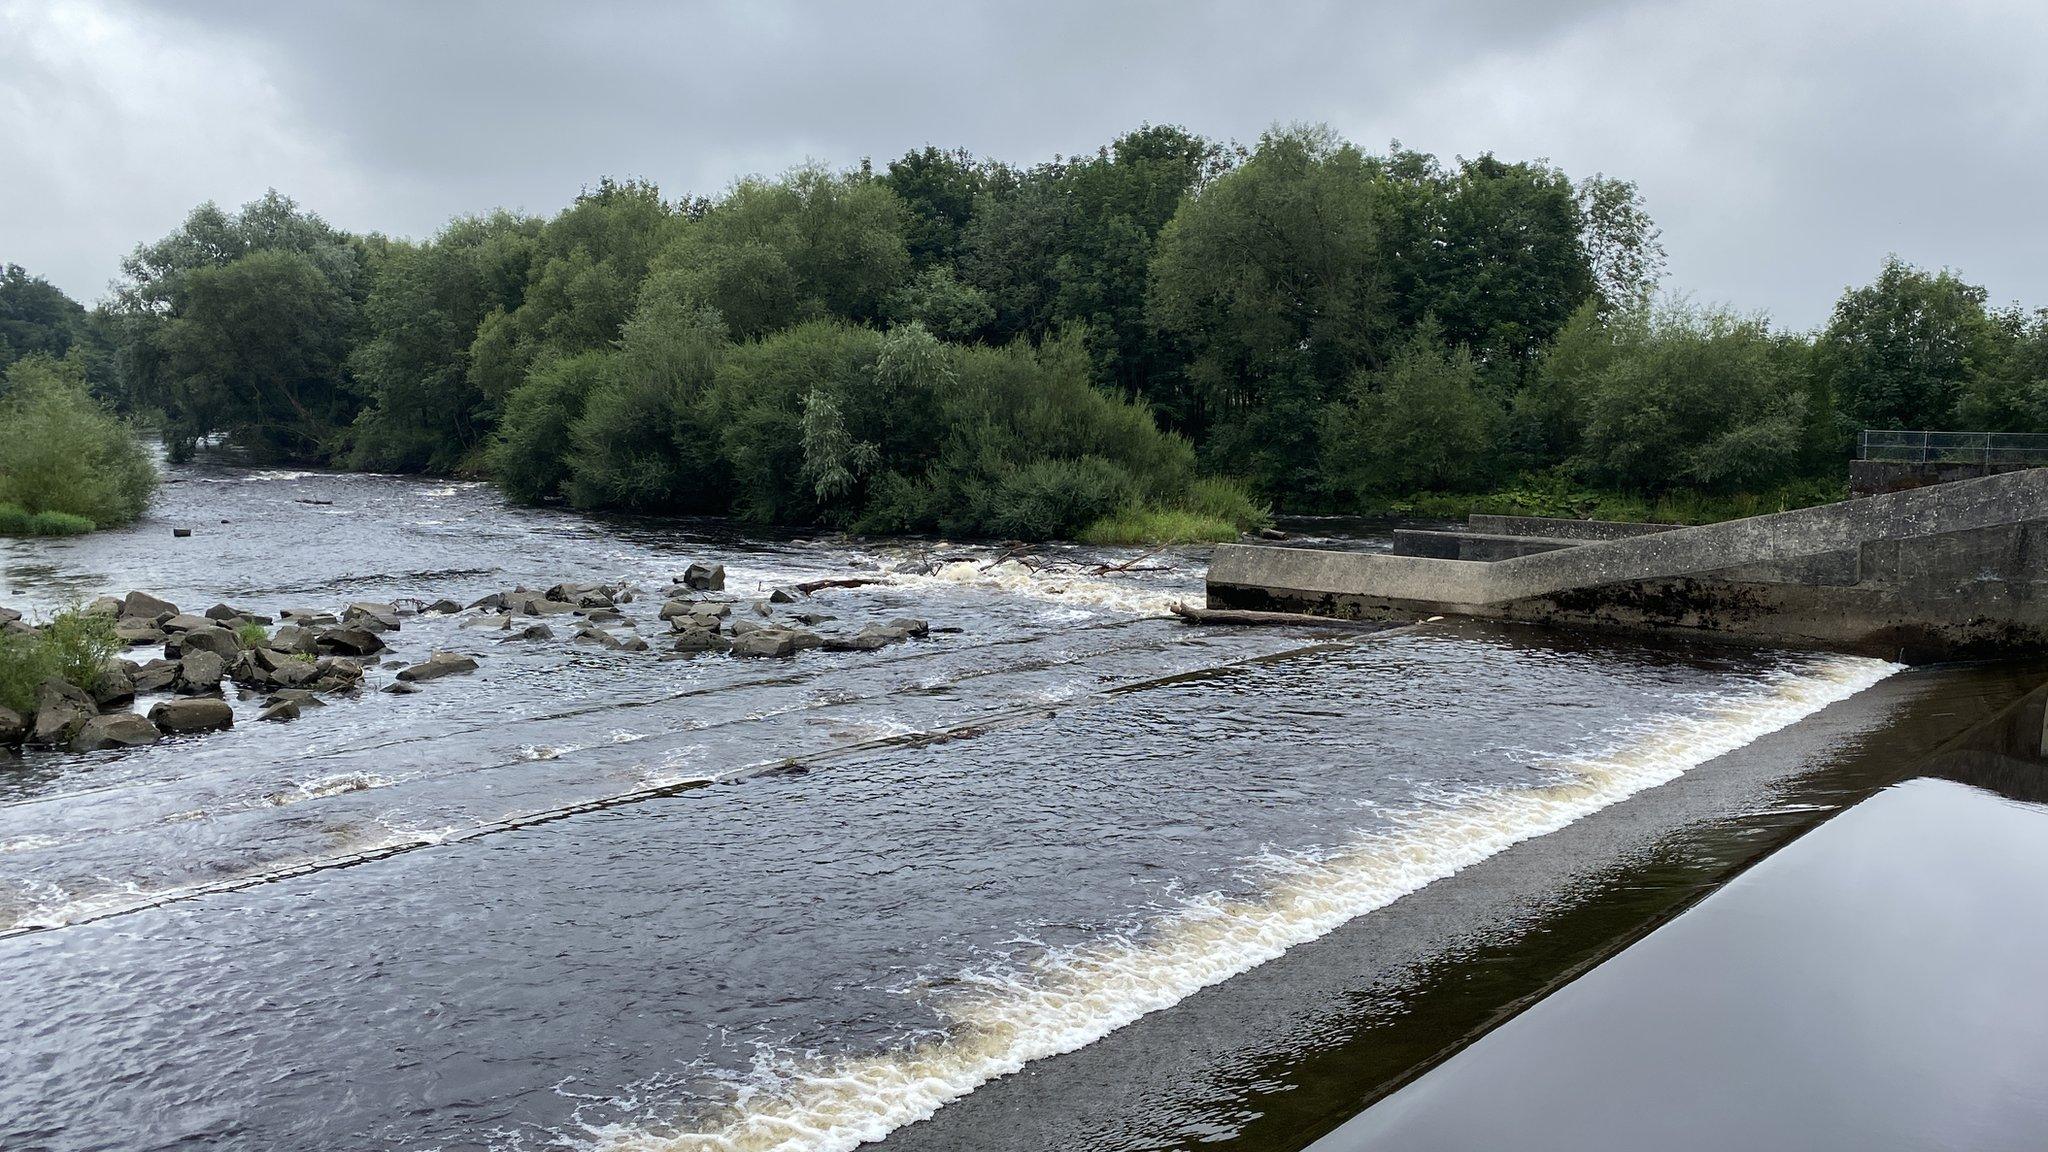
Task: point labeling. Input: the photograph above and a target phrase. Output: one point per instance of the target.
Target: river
(595, 899)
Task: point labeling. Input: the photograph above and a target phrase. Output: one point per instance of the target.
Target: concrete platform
(1942, 572)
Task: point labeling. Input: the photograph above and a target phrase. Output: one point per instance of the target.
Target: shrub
(74, 645)
(61, 452)
(1158, 526)
(1057, 498)
(252, 635)
(529, 458)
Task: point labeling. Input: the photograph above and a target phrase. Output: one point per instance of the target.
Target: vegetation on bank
(1160, 339)
(67, 464)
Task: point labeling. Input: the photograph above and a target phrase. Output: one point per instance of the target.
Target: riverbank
(1544, 497)
(1273, 1059)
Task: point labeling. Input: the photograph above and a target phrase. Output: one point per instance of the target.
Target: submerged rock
(193, 714)
(281, 710)
(438, 665)
(118, 730)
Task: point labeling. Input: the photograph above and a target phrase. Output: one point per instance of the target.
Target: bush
(1421, 424)
(529, 458)
(61, 452)
(252, 635)
(17, 521)
(1158, 526)
(74, 645)
(1050, 499)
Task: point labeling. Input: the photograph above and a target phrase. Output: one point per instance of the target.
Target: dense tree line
(1169, 325)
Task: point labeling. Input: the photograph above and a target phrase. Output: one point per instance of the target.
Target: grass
(1546, 497)
(1158, 526)
(18, 521)
(252, 635)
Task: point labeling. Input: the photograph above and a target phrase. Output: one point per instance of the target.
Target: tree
(36, 317)
(940, 191)
(2010, 394)
(1624, 247)
(1898, 351)
(1422, 423)
(61, 451)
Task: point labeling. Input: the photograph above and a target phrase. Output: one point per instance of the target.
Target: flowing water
(613, 900)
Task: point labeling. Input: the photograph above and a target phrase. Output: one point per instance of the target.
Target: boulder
(333, 674)
(488, 623)
(114, 685)
(764, 642)
(155, 676)
(347, 642)
(148, 607)
(865, 642)
(372, 616)
(211, 638)
(13, 728)
(133, 630)
(602, 615)
(761, 608)
(104, 606)
(531, 632)
(307, 617)
(185, 623)
(292, 638)
(401, 688)
(590, 634)
(9, 615)
(700, 640)
(491, 603)
(813, 618)
(544, 606)
(743, 627)
(911, 627)
(441, 608)
(118, 730)
(677, 609)
(282, 669)
(438, 665)
(61, 710)
(705, 577)
(15, 628)
(281, 710)
(782, 596)
(300, 696)
(193, 714)
(199, 672)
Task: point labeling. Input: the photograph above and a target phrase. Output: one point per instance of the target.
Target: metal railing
(2029, 448)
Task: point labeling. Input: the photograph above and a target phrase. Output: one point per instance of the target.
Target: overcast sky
(1784, 147)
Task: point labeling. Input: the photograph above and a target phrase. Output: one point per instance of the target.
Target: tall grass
(74, 646)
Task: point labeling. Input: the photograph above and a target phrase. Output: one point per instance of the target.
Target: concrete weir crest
(1937, 572)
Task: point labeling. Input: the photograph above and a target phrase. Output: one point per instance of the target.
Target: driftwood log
(1194, 615)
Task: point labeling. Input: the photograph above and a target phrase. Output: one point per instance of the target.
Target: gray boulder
(865, 642)
(764, 642)
(347, 642)
(148, 607)
(154, 676)
(185, 623)
(700, 640)
(115, 684)
(531, 632)
(281, 710)
(782, 596)
(104, 606)
(705, 577)
(61, 710)
(489, 623)
(438, 665)
(442, 607)
(372, 616)
(193, 714)
(212, 638)
(13, 728)
(134, 630)
(199, 672)
(118, 730)
(300, 696)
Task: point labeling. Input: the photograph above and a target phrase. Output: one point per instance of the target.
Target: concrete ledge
(1472, 545)
(1562, 529)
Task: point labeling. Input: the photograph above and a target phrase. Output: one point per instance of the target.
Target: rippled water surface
(627, 900)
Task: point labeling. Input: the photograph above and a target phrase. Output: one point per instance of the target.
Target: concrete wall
(1471, 545)
(1876, 477)
(1561, 529)
(1924, 574)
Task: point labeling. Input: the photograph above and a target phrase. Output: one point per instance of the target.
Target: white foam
(1057, 583)
(1071, 997)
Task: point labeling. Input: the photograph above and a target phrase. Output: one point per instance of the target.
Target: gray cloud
(1784, 148)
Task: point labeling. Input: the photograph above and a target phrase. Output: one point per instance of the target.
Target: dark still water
(597, 899)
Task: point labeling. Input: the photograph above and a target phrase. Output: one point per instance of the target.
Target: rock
(119, 730)
(813, 618)
(193, 714)
(531, 632)
(154, 676)
(61, 710)
(438, 665)
(761, 608)
(765, 642)
(13, 728)
(865, 642)
(782, 596)
(401, 688)
(282, 710)
(134, 630)
(1273, 534)
(211, 638)
(307, 617)
(493, 602)
(185, 623)
(347, 642)
(371, 616)
(15, 628)
(591, 598)
(292, 638)
(743, 627)
(441, 608)
(911, 626)
(181, 533)
(700, 640)
(9, 615)
(333, 674)
(632, 644)
(589, 634)
(148, 607)
(677, 609)
(114, 685)
(223, 612)
(705, 577)
(488, 623)
(104, 606)
(542, 606)
(299, 696)
(602, 615)
(283, 669)
(199, 672)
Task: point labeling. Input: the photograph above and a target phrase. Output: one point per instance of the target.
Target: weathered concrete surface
(1472, 545)
(1924, 574)
(1560, 529)
(1876, 477)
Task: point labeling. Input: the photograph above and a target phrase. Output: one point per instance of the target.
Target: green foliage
(252, 635)
(1132, 526)
(2010, 394)
(18, 521)
(1898, 351)
(644, 441)
(530, 456)
(1423, 423)
(38, 319)
(63, 457)
(73, 646)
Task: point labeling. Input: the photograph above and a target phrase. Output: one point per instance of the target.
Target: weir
(1941, 572)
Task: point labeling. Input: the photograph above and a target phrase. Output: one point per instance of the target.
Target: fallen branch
(812, 586)
(1195, 615)
(1106, 569)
